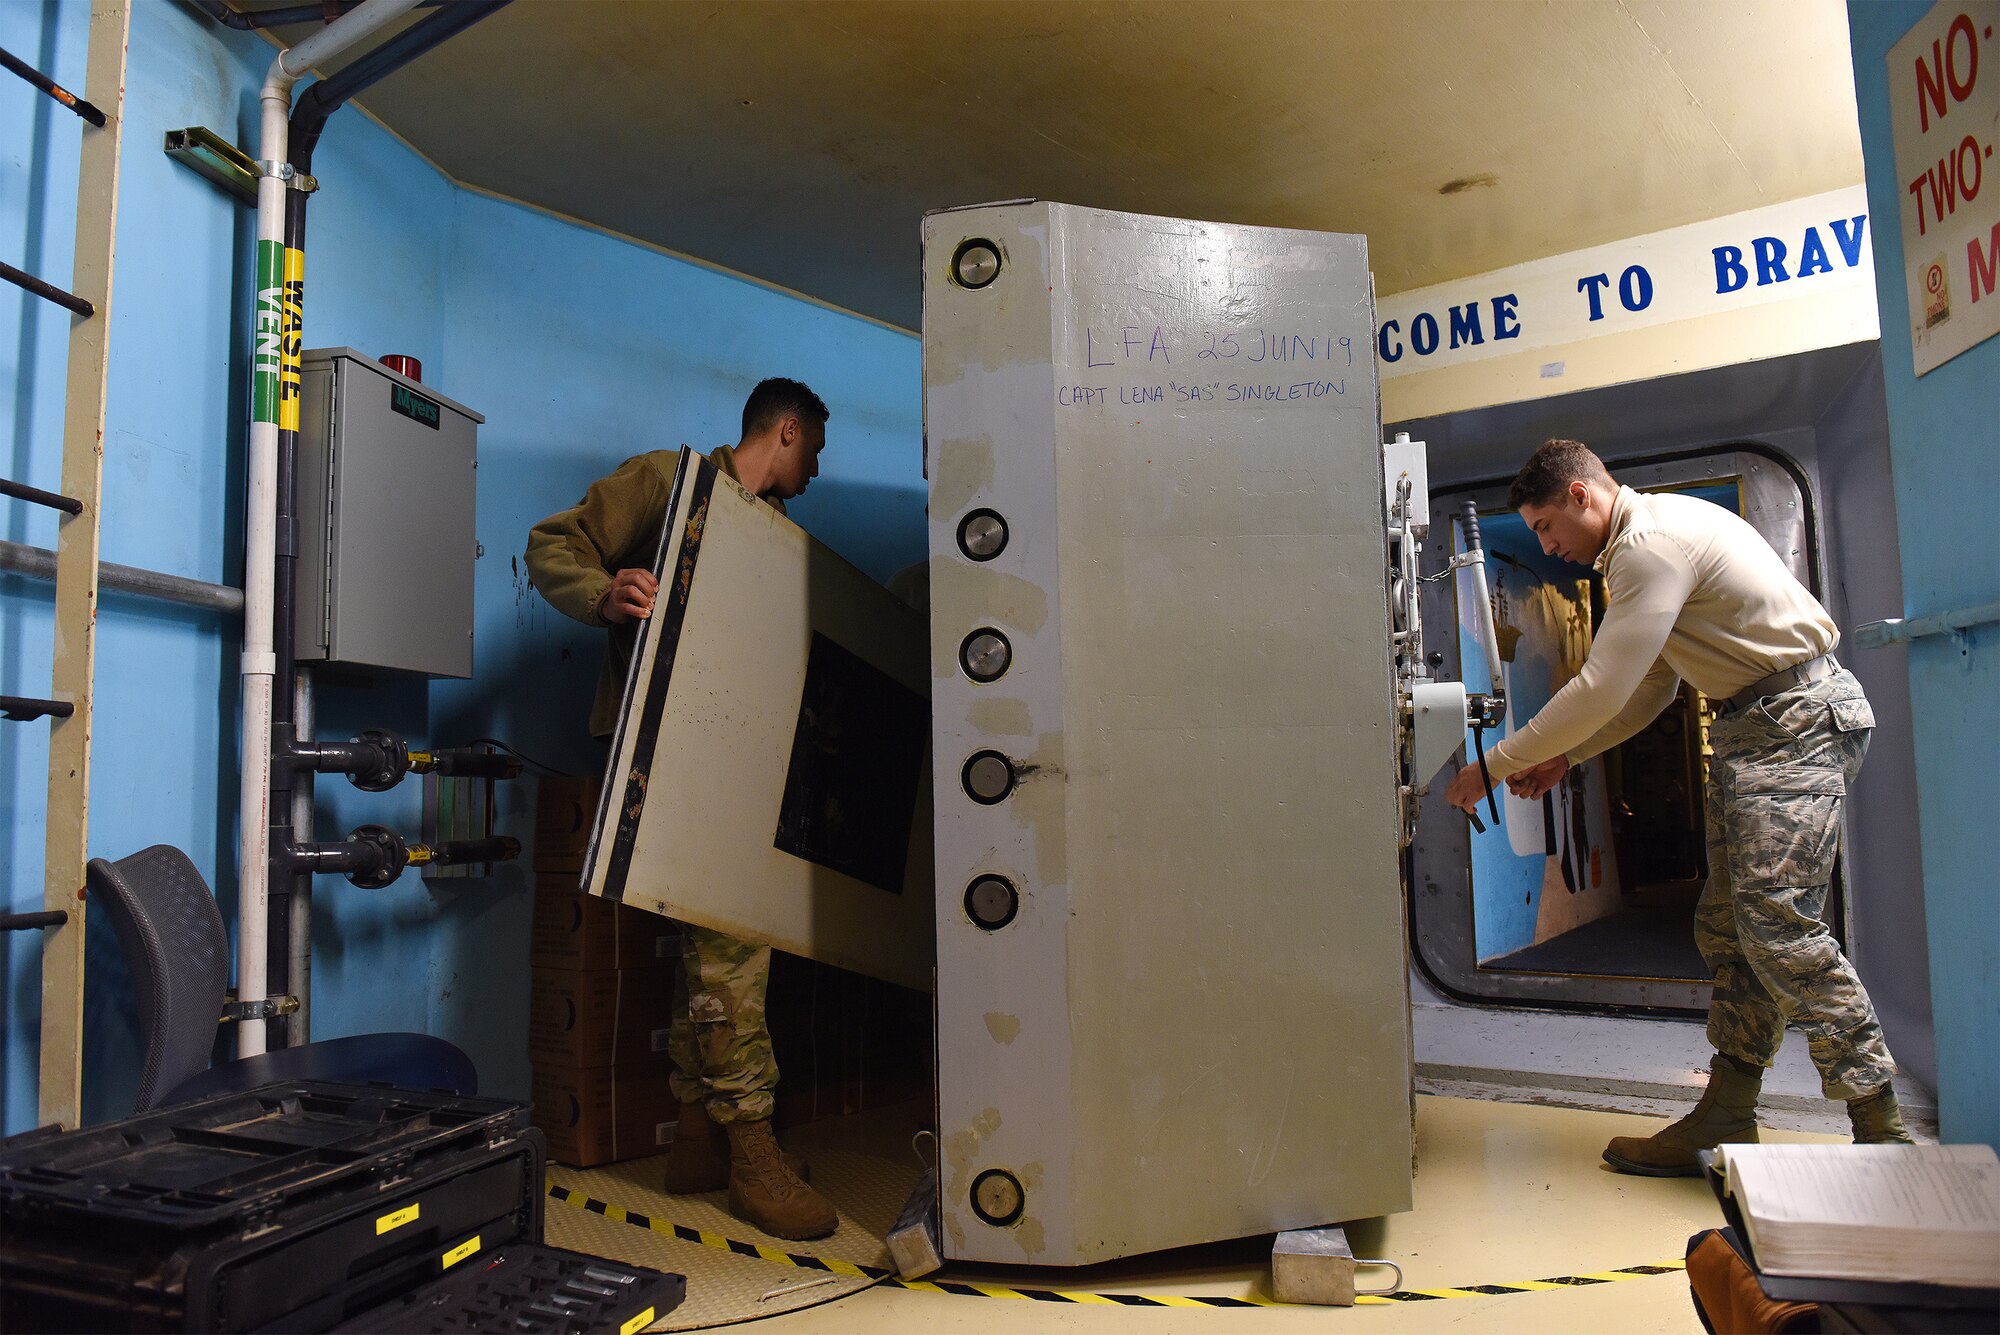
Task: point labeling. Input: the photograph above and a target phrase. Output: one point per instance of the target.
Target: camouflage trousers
(1780, 772)
(720, 1049)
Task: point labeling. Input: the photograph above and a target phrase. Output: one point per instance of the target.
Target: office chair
(178, 952)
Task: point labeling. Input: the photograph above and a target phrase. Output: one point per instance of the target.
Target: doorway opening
(1600, 875)
(1586, 896)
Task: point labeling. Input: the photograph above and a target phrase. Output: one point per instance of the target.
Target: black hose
(230, 17)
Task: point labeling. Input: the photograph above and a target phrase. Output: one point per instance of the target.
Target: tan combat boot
(764, 1190)
(1726, 1115)
(698, 1157)
(1877, 1120)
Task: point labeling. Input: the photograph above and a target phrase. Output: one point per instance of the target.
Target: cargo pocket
(1851, 715)
(1784, 823)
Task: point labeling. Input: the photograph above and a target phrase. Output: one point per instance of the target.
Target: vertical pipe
(283, 736)
(1475, 569)
(260, 534)
(277, 338)
(300, 933)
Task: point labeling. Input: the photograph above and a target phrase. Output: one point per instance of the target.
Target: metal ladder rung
(21, 491)
(27, 708)
(21, 278)
(10, 61)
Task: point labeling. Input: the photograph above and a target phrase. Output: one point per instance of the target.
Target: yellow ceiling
(799, 141)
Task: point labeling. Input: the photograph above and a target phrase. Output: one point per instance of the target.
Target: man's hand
(1466, 789)
(630, 597)
(1532, 782)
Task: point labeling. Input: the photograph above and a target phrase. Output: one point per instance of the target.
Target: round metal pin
(991, 902)
(985, 655)
(997, 1197)
(988, 777)
(982, 535)
(975, 263)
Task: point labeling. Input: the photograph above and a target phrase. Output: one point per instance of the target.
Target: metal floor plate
(863, 1163)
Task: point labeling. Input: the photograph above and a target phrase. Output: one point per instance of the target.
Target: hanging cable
(523, 756)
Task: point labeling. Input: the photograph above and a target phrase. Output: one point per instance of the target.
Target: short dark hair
(777, 398)
(1550, 470)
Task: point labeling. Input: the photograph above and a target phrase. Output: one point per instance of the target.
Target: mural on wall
(1553, 865)
(1549, 867)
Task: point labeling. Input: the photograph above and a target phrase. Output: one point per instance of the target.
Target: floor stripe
(760, 1251)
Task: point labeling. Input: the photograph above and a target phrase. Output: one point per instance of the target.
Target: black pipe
(26, 708)
(27, 922)
(46, 291)
(494, 848)
(372, 856)
(231, 17)
(328, 95)
(469, 763)
(21, 491)
(10, 61)
(283, 874)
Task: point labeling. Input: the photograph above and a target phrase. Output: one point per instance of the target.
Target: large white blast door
(1172, 1000)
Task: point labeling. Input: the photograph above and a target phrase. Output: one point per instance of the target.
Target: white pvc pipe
(253, 846)
(363, 22)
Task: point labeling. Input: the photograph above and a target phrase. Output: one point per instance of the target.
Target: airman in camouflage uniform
(593, 562)
(1694, 594)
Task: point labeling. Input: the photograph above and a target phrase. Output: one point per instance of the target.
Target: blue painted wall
(1944, 435)
(578, 347)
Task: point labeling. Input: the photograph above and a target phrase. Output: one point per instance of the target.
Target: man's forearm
(567, 572)
(1655, 693)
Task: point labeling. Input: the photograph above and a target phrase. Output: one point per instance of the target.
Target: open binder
(1803, 1289)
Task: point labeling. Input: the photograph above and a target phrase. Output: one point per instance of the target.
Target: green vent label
(413, 406)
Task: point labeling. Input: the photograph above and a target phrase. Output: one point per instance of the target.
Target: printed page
(1946, 1188)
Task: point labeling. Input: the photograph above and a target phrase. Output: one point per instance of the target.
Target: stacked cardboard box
(604, 986)
(602, 999)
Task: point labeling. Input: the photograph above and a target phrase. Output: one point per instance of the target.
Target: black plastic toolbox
(293, 1207)
(529, 1290)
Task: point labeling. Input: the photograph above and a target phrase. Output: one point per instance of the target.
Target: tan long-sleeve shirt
(1694, 592)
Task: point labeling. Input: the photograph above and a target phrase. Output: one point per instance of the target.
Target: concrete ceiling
(800, 141)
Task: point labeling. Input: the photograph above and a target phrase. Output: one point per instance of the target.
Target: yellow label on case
(637, 1323)
(460, 1252)
(406, 1215)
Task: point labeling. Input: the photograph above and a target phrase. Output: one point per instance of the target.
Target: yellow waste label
(637, 1323)
(460, 1252)
(291, 340)
(406, 1215)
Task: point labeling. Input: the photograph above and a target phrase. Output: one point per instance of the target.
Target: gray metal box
(386, 491)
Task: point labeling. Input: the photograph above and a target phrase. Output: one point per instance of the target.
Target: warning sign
(1944, 104)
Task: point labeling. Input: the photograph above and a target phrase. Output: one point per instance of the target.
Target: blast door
(1172, 991)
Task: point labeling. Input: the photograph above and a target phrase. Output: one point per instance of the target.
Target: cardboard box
(601, 1114)
(580, 1018)
(579, 931)
(565, 816)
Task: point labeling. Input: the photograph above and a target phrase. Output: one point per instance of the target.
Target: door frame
(1778, 500)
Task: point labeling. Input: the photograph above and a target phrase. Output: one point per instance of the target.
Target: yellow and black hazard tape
(831, 1265)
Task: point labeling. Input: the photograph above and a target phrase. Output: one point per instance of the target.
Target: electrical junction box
(1172, 989)
(386, 544)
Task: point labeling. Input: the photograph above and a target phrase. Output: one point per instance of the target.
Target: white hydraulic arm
(1433, 714)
